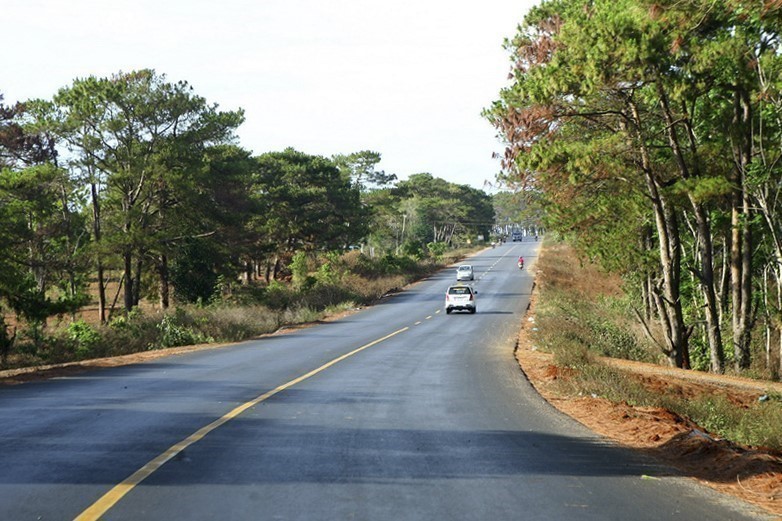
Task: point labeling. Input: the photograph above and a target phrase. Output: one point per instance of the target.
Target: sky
(405, 78)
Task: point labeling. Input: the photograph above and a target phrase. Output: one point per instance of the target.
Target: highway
(396, 412)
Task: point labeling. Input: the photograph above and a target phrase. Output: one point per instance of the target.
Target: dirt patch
(751, 474)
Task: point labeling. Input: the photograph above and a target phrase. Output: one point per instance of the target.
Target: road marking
(112, 497)
(428, 318)
(417, 323)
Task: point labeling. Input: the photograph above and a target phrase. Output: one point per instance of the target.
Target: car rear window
(465, 268)
(459, 291)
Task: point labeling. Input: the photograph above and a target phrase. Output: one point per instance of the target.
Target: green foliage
(84, 337)
(328, 275)
(278, 296)
(642, 127)
(437, 249)
(175, 330)
(341, 282)
(413, 248)
(42, 242)
(397, 264)
(300, 269)
(306, 203)
(359, 168)
(139, 142)
(126, 321)
(194, 271)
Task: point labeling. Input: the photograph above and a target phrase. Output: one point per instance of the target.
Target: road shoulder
(750, 474)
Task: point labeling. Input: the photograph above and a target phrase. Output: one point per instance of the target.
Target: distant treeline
(137, 180)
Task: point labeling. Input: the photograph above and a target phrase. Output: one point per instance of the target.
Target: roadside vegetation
(320, 286)
(582, 315)
(650, 134)
(130, 220)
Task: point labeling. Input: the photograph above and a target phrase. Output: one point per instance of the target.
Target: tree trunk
(163, 281)
(249, 271)
(277, 267)
(706, 277)
(128, 278)
(777, 272)
(137, 282)
(704, 242)
(746, 287)
(741, 254)
(667, 298)
(96, 231)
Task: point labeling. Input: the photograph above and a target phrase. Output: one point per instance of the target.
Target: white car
(461, 298)
(464, 272)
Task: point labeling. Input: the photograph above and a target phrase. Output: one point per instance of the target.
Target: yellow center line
(112, 497)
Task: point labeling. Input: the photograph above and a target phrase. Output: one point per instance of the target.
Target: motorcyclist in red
(521, 262)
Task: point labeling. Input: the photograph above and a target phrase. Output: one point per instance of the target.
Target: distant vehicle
(465, 272)
(460, 298)
(516, 236)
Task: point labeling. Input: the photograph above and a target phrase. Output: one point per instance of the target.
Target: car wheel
(473, 310)
(448, 311)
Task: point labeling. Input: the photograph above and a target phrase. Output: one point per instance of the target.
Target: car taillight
(471, 296)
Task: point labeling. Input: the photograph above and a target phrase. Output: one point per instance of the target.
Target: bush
(340, 282)
(300, 269)
(192, 271)
(278, 296)
(576, 324)
(174, 331)
(235, 323)
(130, 333)
(85, 338)
(437, 249)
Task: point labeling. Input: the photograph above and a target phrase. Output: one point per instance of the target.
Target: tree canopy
(641, 124)
(135, 184)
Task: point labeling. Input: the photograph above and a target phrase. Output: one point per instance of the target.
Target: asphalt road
(397, 412)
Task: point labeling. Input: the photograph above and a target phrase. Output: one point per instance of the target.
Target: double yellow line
(112, 497)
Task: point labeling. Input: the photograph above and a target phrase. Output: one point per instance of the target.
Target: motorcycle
(520, 264)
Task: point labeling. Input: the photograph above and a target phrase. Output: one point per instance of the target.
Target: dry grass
(350, 281)
(580, 317)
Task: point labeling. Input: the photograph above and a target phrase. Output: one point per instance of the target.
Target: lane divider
(112, 497)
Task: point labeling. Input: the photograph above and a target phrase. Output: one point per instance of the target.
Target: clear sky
(406, 78)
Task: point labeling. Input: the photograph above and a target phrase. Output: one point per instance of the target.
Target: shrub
(437, 249)
(299, 267)
(84, 337)
(278, 296)
(235, 323)
(175, 332)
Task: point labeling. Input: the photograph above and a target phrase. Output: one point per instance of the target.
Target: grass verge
(581, 316)
(325, 286)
